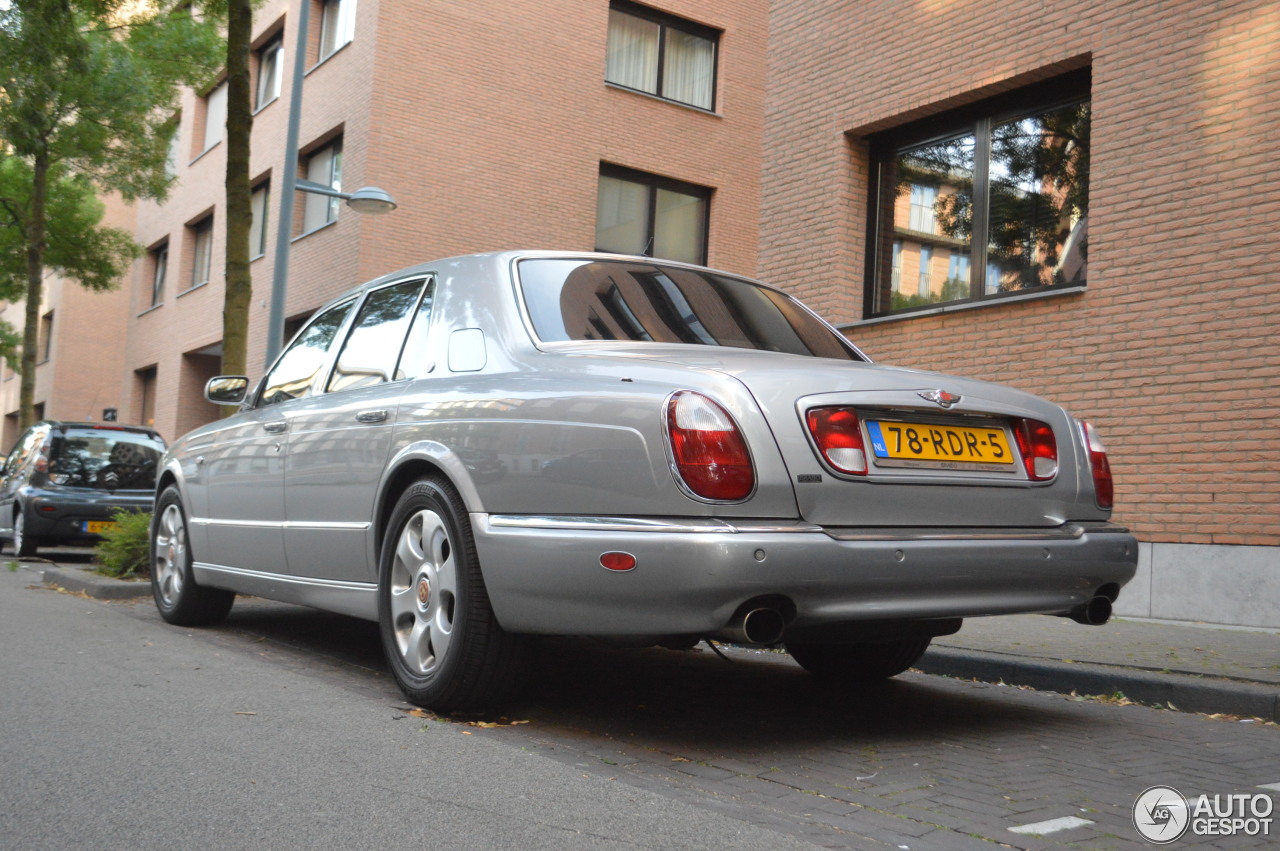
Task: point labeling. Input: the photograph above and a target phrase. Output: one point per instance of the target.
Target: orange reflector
(618, 561)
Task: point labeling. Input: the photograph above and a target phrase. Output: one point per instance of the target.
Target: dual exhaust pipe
(765, 626)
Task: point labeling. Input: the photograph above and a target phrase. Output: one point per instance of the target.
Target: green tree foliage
(89, 88)
(125, 549)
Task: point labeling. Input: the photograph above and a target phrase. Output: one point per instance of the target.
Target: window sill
(314, 230)
(198, 286)
(151, 309)
(661, 99)
(201, 155)
(1059, 292)
(329, 56)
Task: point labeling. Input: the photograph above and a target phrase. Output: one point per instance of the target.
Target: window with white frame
(201, 234)
(159, 266)
(258, 226)
(270, 70)
(661, 55)
(337, 25)
(215, 116)
(324, 166)
(171, 160)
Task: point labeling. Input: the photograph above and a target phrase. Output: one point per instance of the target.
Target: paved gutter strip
(1186, 693)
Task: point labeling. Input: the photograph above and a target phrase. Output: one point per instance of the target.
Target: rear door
(339, 439)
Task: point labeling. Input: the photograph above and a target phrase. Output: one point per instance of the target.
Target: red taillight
(1038, 447)
(839, 438)
(709, 452)
(1103, 486)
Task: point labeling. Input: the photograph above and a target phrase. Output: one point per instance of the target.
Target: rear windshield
(646, 302)
(105, 458)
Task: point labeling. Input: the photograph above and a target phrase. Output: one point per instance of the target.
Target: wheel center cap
(424, 591)
(173, 554)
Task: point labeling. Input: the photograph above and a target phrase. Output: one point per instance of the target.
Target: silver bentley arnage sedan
(482, 449)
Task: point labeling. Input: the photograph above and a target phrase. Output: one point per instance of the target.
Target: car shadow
(670, 699)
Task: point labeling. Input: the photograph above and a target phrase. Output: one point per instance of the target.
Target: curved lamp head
(371, 199)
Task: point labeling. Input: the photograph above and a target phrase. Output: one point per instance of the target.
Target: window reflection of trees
(614, 300)
(1026, 204)
(294, 374)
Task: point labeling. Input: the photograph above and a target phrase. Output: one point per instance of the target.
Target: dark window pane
(927, 231)
(1039, 200)
(105, 459)
(297, 368)
(614, 300)
(373, 346)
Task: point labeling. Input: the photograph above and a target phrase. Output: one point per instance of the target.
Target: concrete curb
(95, 585)
(1210, 695)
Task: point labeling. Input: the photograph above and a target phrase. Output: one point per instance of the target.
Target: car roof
(65, 424)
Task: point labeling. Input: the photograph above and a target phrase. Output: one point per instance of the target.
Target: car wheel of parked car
(441, 638)
(180, 600)
(24, 545)
(859, 662)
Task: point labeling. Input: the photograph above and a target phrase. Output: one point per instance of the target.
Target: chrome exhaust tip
(755, 626)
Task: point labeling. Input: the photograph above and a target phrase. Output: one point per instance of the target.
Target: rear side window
(369, 356)
(296, 371)
(107, 459)
(572, 299)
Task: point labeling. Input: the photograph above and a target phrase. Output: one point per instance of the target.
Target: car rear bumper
(544, 575)
(61, 515)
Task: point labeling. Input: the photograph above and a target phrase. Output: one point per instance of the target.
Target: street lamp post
(368, 199)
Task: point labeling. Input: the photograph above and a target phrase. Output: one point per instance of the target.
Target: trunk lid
(969, 493)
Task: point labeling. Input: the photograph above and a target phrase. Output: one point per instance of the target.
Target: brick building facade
(870, 157)
(1168, 346)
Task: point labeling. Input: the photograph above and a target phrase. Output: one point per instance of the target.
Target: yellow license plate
(97, 527)
(906, 441)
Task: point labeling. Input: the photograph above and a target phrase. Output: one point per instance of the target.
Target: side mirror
(227, 389)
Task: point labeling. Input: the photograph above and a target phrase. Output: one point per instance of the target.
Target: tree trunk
(239, 282)
(35, 291)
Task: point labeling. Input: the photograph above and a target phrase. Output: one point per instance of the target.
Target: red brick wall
(1172, 350)
(487, 121)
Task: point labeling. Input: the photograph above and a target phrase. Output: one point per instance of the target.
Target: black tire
(863, 662)
(442, 642)
(180, 600)
(24, 545)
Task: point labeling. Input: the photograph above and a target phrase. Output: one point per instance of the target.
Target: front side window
(324, 167)
(661, 55)
(572, 299)
(296, 371)
(337, 25)
(997, 208)
(373, 345)
(201, 251)
(638, 213)
(270, 69)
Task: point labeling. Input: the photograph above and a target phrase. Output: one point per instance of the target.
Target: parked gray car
(482, 449)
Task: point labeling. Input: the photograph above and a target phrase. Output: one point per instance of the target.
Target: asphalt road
(282, 729)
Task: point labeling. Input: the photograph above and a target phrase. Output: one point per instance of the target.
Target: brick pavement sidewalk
(1195, 667)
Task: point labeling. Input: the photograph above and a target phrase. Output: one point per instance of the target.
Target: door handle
(371, 417)
(275, 428)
